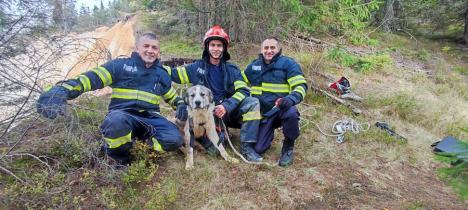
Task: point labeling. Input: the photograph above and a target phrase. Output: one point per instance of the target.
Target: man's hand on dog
(181, 112)
(219, 111)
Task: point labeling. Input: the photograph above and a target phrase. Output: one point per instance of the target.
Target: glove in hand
(181, 112)
(52, 102)
(285, 103)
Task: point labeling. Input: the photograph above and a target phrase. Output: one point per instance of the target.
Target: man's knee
(115, 123)
(172, 143)
(250, 104)
(291, 114)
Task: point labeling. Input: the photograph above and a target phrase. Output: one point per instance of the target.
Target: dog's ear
(210, 96)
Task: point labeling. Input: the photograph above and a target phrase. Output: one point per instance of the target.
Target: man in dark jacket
(230, 92)
(278, 82)
(138, 84)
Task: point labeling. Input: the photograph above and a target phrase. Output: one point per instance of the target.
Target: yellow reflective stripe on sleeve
(300, 90)
(256, 90)
(239, 96)
(245, 77)
(85, 82)
(299, 79)
(275, 88)
(249, 116)
(135, 95)
(104, 75)
(168, 69)
(67, 86)
(239, 84)
(182, 71)
(156, 145)
(117, 142)
(170, 94)
(71, 88)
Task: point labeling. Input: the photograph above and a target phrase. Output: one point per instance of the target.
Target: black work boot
(249, 152)
(209, 147)
(287, 155)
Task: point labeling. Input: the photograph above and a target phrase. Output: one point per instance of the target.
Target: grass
(322, 175)
(455, 176)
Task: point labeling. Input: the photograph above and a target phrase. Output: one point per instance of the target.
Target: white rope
(340, 127)
(238, 154)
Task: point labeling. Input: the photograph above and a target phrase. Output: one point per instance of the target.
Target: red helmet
(216, 32)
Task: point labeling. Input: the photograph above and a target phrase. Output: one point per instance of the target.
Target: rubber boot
(287, 155)
(249, 152)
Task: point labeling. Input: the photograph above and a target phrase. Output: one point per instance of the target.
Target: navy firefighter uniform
(280, 79)
(137, 91)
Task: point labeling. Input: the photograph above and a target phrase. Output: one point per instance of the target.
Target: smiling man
(138, 84)
(230, 92)
(279, 84)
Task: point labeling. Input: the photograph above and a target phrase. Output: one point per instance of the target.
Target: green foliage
(143, 168)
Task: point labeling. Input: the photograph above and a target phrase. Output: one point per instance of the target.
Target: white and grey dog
(199, 100)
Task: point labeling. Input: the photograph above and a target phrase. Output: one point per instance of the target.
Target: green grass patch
(364, 64)
(461, 70)
(401, 105)
(455, 176)
(181, 47)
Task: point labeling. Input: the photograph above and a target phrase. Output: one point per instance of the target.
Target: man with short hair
(230, 92)
(138, 84)
(279, 84)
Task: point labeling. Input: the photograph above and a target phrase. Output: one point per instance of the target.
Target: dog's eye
(202, 94)
(192, 95)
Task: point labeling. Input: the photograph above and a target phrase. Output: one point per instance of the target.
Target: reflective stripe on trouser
(120, 123)
(288, 119)
(249, 111)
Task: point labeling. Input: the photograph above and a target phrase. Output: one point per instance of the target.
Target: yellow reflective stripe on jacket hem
(170, 94)
(104, 75)
(156, 145)
(182, 71)
(300, 90)
(249, 116)
(239, 84)
(85, 82)
(117, 142)
(256, 90)
(239, 96)
(275, 88)
(299, 79)
(136, 95)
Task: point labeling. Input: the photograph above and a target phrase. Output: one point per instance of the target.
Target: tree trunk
(465, 33)
(389, 16)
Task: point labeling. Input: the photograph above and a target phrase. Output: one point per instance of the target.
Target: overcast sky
(90, 3)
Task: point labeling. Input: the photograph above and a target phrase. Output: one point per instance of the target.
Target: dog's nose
(197, 103)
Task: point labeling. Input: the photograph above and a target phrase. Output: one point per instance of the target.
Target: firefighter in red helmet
(234, 106)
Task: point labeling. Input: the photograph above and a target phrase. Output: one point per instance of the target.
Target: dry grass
(371, 170)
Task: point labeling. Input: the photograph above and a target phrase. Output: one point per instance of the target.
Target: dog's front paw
(233, 160)
(189, 166)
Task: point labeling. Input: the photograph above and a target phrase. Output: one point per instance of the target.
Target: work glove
(285, 103)
(52, 102)
(181, 112)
